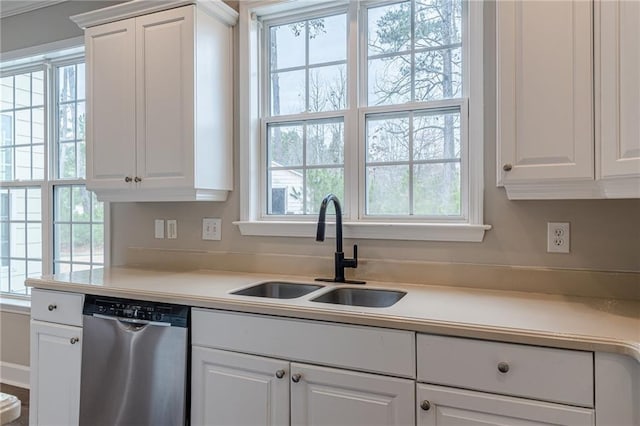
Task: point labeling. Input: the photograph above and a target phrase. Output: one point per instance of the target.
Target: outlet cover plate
(558, 237)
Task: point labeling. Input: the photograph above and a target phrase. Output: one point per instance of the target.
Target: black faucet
(340, 261)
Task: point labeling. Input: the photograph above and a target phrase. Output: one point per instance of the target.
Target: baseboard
(14, 374)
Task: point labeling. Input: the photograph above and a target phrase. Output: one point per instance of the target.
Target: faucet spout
(340, 261)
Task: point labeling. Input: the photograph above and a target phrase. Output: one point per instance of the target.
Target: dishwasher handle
(133, 321)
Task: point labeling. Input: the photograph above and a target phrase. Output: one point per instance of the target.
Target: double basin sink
(366, 297)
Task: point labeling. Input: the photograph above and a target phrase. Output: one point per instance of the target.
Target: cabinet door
(618, 87)
(230, 389)
(327, 396)
(110, 81)
(165, 98)
(545, 90)
(442, 406)
(56, 353)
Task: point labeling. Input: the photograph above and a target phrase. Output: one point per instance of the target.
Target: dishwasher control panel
(176, 315)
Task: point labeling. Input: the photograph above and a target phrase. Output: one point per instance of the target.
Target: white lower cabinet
(328, 396)
(261, 370)
(56, 353)
(234, 389)
(444, 406)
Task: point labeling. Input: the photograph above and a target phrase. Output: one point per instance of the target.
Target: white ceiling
(15, 7)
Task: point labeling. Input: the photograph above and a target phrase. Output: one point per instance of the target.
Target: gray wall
(45, 25)
(605, 234)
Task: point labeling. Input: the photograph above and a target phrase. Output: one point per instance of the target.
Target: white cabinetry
(159, 101)
(617, 43)
(230, 388)
(56, 352)
(464, 381)
(547, 67)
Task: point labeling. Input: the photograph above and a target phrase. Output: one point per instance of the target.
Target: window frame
(49, 57)
(253, 100)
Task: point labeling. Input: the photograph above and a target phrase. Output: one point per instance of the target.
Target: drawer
(57, 306)
(372, 349)
(548, 374)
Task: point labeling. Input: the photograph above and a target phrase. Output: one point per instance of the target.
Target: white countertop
(584, 323)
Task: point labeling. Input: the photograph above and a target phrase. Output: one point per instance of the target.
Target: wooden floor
(23, 396)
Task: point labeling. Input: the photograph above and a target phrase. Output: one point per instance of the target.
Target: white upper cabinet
(618, 94)
(159, 95)
(545, 90)
(557, 138)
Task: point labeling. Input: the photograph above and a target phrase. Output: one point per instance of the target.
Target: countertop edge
(454, 329)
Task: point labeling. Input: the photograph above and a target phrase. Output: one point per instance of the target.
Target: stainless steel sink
(371, 298)
(278, 290)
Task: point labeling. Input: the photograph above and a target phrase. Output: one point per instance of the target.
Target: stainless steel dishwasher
(134, 362)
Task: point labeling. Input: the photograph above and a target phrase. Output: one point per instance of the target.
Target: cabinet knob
(503, 367)
(128, 179)
(507, 167)
(280, 374)
(74, 340)
(296, 378)
(137, 179)
(52, 307)
(425, 405)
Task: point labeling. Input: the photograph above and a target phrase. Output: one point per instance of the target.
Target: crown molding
(17, 7)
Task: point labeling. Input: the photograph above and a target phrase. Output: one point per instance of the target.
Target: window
(378, 102)
(49, 222)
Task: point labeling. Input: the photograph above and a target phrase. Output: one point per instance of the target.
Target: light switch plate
(159, 228)
(172, 229)
(211, 228)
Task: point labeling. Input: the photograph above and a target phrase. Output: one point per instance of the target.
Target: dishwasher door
(133, 372)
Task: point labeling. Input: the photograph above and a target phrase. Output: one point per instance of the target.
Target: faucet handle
(355, 255)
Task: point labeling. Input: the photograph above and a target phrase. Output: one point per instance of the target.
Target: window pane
(438, 74)
(17, 204)
(80, 120)
(37, 88)
(328, 88)
(436, 136)
(389, 80)
(328, 39)
(325, 143)
(387, 190)
(62, 239)
(437, 189)
(22, 90)
(6, 93)
(97, 241)
(17, 275)
(438, 22)
(80, 204)
(288, 92)
(66, 119)
(98, 208)
(34, 240)
(81, 236)
(23, 127)
(285, 145)
(34, 204)
(389, 28)
(388, 139)
(287, 45)
(6, 131)
(81, 81)
(34, 268)
(62, 196)
(285, 192)
(67, 160)
(67, 83)
(18, 236)
(23, 162)
(321, 182)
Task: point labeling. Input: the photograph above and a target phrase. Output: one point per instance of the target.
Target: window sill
(370, 230)
(15, 305)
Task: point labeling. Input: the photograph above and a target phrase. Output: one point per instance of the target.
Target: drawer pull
(74, 340)
(425, 405)
(280, 374)
(296, 378)
(503, 367)
(52, 307)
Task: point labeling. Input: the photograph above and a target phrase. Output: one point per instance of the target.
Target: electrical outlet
(172, 229)
(211, 228)
(558, 237)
